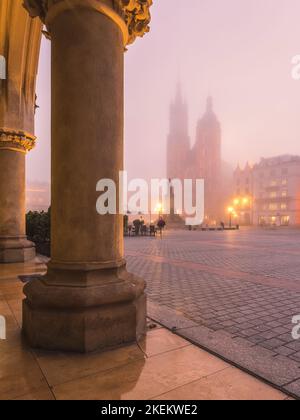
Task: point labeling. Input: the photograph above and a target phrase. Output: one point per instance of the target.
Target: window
(285, 220)
(273, 194)
(284, 182)
(283, 206)
(284, 193)
(285, 171)
(273, 183)
(273, 207)
(262, 220)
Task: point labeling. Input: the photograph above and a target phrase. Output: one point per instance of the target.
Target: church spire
(179, 97)
(209, 104)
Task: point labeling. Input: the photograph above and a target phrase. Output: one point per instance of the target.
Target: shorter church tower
(208, 161)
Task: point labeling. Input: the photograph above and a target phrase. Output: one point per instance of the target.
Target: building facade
(269, 191)
(276, 187)
(243, 195)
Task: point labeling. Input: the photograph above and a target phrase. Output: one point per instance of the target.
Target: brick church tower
(178, 139)
(207, 161)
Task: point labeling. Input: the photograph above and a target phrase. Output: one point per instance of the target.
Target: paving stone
(272, 344)
(284, 351)
(293, 387)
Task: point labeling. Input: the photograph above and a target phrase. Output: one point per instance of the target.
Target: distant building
(243, 195)
(270, 191)
(203, 160)
(37, 196)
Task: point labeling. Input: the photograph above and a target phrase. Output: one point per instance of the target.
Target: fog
(238, 51)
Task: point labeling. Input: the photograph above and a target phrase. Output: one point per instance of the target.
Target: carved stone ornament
(135, 14)
(16, 140)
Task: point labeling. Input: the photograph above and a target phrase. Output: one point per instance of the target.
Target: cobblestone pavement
(244, 283)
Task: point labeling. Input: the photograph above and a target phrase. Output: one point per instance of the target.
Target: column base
(16, 250)
(84, 311)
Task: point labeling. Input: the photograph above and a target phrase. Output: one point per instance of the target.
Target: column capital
(16, 140)
(132, 16)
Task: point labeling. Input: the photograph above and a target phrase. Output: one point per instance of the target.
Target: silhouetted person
(161, 225)
(137, 226)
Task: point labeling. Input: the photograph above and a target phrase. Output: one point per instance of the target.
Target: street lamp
(236, 202)
(159, 209)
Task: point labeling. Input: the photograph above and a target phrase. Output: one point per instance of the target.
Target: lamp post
(159, 209)
(230, 212)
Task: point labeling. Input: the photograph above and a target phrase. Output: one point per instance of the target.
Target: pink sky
(238, 51)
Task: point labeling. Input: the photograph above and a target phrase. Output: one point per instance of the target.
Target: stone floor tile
(144, 379)
(63, 367)
(161, 341)
(229, 384)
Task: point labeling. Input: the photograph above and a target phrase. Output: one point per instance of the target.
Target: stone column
(19, 45)
(87, 300)
(14, 246)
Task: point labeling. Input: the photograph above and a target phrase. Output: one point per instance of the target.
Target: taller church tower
(178, 139)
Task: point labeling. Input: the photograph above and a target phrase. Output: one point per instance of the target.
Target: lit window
(273, 207)
(273, 194)
(273, 183)
(284, 194)
(284, 182)
(285, 220)
(283, 206)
